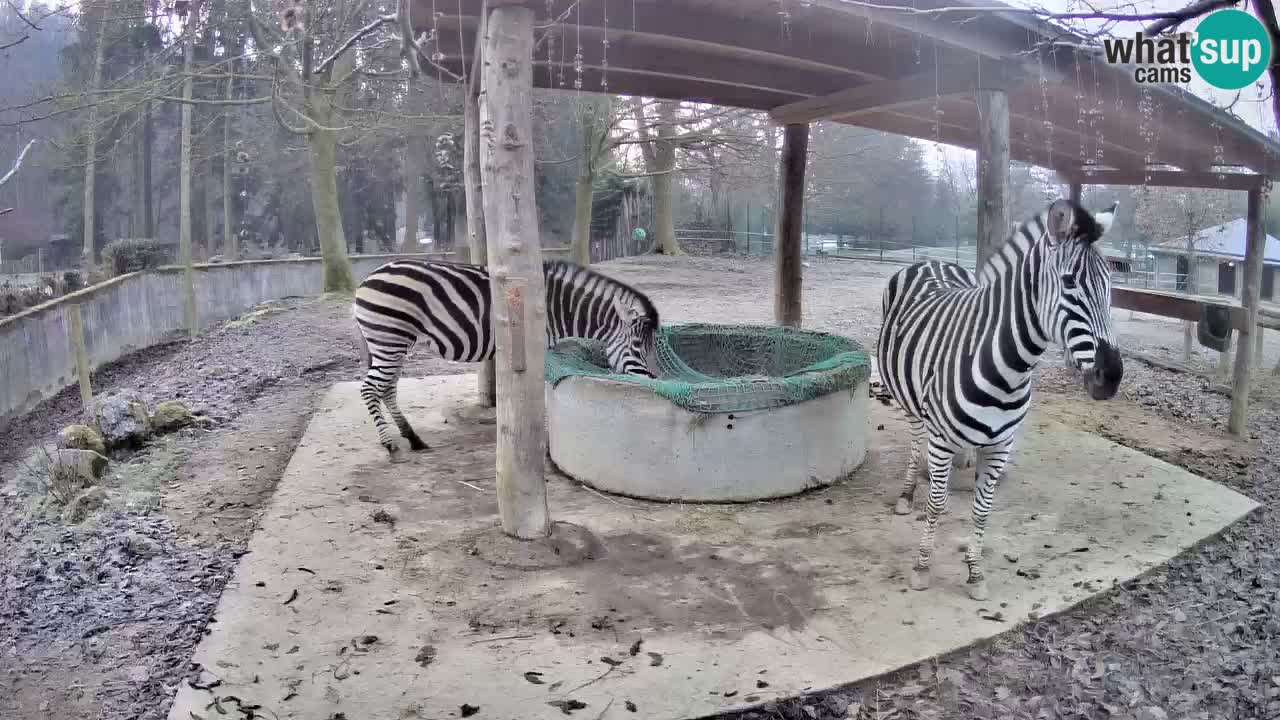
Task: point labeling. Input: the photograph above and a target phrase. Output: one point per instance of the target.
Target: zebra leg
(914, 466)
(373, 391)
(991, 465)
(939, 489)
(393, 407)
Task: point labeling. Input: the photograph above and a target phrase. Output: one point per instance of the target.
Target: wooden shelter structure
(962, 72)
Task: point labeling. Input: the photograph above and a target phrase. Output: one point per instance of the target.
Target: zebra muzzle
(1103, 379)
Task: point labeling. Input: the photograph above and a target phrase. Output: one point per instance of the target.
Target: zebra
(451, 304)
(957, 353)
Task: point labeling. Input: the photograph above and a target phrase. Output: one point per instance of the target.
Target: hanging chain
(577, 58)
(604, 52)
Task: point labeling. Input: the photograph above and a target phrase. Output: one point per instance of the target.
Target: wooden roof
(906, 73)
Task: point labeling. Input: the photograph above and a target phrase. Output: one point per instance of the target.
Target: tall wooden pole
(515, 265)
(1075, 192)
(476, 242)
(1256, 242)
(993, 171)
(788, 247)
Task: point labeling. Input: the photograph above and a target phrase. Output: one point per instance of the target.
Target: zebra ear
(624, 310)
(1060, 222)
(1106, 218)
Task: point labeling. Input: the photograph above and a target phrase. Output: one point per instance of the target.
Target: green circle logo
(1232, 49)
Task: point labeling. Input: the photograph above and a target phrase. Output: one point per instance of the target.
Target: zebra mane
(1026, 236)
(575, 274)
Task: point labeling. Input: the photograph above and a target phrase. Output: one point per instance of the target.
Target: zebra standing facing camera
(452, 306)
(957, 354)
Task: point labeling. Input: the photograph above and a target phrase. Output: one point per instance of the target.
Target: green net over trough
(729, 368)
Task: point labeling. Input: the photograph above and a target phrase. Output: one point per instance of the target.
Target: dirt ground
(99, 620)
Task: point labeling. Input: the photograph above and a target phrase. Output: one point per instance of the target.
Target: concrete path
(380, 592)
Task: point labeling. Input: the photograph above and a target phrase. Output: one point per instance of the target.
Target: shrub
(133, 254)
(14, 300)
(72, 281)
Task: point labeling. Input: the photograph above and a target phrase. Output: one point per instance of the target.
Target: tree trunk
(412, 197)
(664, 153)
(230, 236)
(91, 150)
(184, 180)
(148, 141)
(515, 256)
(324, 201)
(580, 245)
(476, 239)
(324, 179)
(592, 125)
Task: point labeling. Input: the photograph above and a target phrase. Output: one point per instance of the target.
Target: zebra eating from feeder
(452, 306)
(957, 353)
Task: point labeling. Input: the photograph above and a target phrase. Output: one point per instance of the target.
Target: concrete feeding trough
(738, 413)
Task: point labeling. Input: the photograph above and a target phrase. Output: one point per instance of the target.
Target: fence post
(75, 334)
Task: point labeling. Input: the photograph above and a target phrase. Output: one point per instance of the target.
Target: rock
(171, 415)
(140, 546)
(84, 504)
(60, 472)
(122, 419)
(87, 463)
(217, 259)
(82, 437)
(1152, 713)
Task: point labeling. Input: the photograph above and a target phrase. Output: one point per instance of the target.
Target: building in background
(1219, 258)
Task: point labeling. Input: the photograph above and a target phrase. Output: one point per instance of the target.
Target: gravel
(100, 620)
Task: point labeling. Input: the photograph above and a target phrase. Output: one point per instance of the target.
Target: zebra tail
(361, 343)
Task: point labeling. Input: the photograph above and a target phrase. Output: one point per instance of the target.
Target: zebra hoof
(919, 579)
(978, 590)
(902, 507)
(419, 446)
(396, 454)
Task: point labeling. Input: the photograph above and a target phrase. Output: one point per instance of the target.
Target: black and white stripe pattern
(450, 304)
(957, 353)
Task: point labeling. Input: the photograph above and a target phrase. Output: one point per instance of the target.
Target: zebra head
(632, 344)
(1075, 303)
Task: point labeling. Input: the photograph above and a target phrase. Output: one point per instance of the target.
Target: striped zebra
(451, 305)
(957, 354)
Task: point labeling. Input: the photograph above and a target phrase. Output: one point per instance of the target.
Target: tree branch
(1189, 12)
(17, 164)
(1267, 13)
(351, 41)
(18, 11)
(198, 101)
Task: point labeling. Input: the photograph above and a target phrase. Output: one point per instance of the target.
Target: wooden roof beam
(945, 29)
(1172, 178)
(966, 137)
(626, 55)
(622, 81)
(909, 90)
(712, 33)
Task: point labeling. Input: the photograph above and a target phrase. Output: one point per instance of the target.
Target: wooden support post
(1259, 346)
(1075, 192)
(1256, 242)
(993, 171)
(75, 335)
(515, 264)
(475, 216)
(787, 308)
